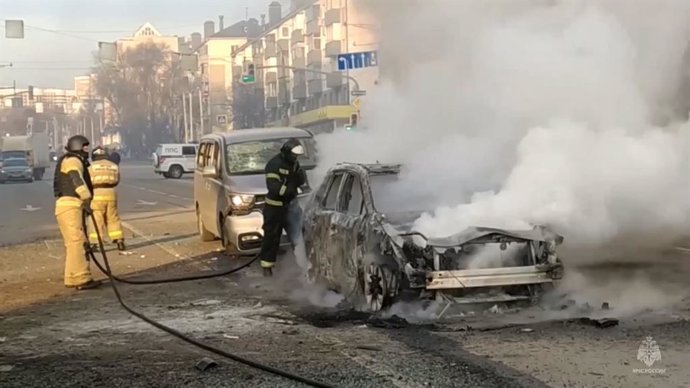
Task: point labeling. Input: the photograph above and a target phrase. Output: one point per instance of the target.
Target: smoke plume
(511, 114)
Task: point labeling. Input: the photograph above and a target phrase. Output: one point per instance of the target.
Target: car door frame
(322, 224)
(189, 160)
(351, 230)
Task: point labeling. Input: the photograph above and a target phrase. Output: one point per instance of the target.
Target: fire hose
(113, 279)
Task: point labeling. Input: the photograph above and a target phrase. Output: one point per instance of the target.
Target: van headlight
(241, 201)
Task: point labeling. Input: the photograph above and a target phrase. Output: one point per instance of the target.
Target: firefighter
(73, 193)
(284, 177)
(105, 175)
(115, 157)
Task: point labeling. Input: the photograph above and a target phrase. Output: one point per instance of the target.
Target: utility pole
(184, 112)
(201, 116)
(191, 116)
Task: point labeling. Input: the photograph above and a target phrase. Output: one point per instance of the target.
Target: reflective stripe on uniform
(104, 198)
(273, 202)
(284, 171)
(116, 235)
(267, 264)
(68, 202)
(283, 189)
(272, 175)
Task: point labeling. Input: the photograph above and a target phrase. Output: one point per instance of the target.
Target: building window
(286, 32)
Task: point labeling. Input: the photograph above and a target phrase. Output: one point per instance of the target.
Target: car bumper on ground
(245, 232)
(490, 277)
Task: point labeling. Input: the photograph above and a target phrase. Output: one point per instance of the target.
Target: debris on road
(205, 364)
(527, 330)
(228, 336)
(605, 306)
(394, 322)
(368, 347)
(600, 323)
(6, 368)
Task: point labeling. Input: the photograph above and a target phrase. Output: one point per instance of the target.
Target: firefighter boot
(268, 272)
(121, 245)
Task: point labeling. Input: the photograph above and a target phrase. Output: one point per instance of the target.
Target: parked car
(230, 183)
(175, 160)
(16, 169)
(360, 243)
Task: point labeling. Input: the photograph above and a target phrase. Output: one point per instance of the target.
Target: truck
(34, 148)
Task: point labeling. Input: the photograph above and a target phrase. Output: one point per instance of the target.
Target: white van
(174, 160)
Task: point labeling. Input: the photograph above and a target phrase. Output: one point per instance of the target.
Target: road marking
(683, 249)
(148, 239)
(161, 193)
(142, 202)
(30, 208)
(368, 363)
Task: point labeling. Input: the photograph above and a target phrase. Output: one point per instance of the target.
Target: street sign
(358, 93)
(222, 119)
(349, 61)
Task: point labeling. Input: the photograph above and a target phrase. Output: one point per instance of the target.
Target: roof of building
(270, 28)
(245, 28)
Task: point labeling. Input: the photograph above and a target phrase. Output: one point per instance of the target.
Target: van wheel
(204, 234)
(176, 171)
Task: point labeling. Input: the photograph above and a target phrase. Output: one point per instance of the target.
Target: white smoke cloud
(514, 113)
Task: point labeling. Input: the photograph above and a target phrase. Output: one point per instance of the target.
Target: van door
(189, 155)
(199, 180)
(213, 190)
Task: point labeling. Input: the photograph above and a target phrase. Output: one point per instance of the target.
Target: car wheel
(176, 171)
(166, 175)
(30, 180)
(204, 234)
(379, 287)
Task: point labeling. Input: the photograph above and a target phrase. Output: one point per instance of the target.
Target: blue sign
(349, 61)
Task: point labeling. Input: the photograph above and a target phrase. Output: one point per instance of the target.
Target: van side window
(201, 157)
(211, 154)
(188, 150)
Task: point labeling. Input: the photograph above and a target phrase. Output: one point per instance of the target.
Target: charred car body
(370, 254)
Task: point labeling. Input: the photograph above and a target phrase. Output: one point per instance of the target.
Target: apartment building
(147, 33)
(216, 69)
(309, 91)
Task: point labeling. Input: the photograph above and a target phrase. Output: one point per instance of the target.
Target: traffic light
(250, 76)
(31, 92)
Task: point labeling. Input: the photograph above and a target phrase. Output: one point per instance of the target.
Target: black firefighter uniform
(105, 176)
(283, 179)
(72, 186)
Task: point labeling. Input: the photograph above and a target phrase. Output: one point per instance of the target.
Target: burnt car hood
(538, 233)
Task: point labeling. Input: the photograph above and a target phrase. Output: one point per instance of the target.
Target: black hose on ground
(182, 336)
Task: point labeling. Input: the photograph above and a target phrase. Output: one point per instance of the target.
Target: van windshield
(250, 158)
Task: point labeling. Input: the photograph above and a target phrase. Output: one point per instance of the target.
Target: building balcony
(271, 102)
(271, 77)
(297, 37)
(334, 80)
(299, 62)
(314, 58)
(283, 93)
(314, 27)
(299, 91)
(334, 48)
(315, 86)
(313, 12)
(270, 50)
(283, 44)
(332, 16)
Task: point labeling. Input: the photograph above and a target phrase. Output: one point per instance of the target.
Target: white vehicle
(174, 160)
(34, 148)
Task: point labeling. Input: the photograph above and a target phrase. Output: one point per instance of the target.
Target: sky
(61, 35)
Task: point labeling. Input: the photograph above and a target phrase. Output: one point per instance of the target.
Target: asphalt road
(27, 209)
(53, 336)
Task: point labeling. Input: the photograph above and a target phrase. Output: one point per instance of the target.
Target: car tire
(30, 180)
(204, 234)
(370, 297)
(166, 175)
(176, 171)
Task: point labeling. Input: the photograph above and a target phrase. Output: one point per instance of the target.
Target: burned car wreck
(372, 256)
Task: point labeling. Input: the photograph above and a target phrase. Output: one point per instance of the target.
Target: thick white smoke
(532, 112)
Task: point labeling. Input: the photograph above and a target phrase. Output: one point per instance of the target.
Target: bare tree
(144, 89)
(247, 106)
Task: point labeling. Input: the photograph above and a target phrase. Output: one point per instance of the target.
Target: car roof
(369, 168)
(243, 135)
(10, 159)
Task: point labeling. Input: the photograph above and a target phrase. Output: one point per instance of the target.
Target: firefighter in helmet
(105, 175)
(284, 178)
(73, 194)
